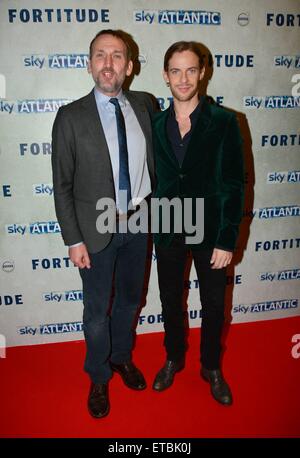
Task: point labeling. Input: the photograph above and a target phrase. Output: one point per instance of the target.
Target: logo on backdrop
(37, 228)
(243, 19)
(16, 299)
(271, 101)
(157, 319)
(43, 189)
(281, 275)
(53, 328)
(71, 15)
(277, 212)
(282, 140)
(287, 61)
(184, 17)
(275, 245)
(35, 149)
(292, 176)
(68, 296)
(283, 20)
(234, 60)
(32, 106)
(55, 61)
(268, 306)
(51, 263)
(8, 266)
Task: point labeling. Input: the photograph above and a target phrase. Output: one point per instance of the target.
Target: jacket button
(181, 175)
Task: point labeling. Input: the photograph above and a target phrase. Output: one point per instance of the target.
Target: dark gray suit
(82, 171)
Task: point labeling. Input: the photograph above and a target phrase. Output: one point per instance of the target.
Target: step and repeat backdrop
(252, 56)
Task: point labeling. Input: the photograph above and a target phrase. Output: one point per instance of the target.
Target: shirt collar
(103, 100)
(194, 114)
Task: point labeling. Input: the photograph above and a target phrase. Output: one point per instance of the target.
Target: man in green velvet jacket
(198, 153)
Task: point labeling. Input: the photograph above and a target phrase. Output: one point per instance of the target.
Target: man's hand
(220, 258)
(79, 256)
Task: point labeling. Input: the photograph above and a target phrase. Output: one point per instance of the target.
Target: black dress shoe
(98, 402)
(219, 388)
(165, 376)
(131, 375)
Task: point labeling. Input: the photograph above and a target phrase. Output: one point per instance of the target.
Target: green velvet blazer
(213, 169)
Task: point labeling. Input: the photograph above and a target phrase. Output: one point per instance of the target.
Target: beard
(184, 97)
(109, 85)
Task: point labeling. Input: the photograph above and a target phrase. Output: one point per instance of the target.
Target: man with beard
(198, 155)
(102, 148)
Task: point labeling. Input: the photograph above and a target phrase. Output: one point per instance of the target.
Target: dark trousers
(108, 330)
(171, 262)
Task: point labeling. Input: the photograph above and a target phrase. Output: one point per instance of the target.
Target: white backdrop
(256, 60)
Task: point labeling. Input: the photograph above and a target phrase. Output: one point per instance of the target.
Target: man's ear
(166, 77)
(202, 73)
(129, 68)
(89, 66)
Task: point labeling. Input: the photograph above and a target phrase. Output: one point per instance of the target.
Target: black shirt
(180, 145)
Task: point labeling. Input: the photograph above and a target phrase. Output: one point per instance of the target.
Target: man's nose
(108, 60)
(183, 77)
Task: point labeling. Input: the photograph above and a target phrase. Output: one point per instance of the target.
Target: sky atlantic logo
(67, 296)
(32, 106)
(271, 101)
(53, 328)
(56, 61)
(281, 275)
(37, 228)
(268, 306)
(178, 17)
(277, 212)
(292, 176)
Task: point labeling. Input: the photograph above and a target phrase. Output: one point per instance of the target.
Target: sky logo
(34, 61)
(27, 331)
(43, 189)
(144, 16)
(287, 61)
(281, 275)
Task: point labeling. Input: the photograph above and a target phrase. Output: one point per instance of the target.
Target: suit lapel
(94, 127)
(140, 112)
(161, 134)
(198, 136)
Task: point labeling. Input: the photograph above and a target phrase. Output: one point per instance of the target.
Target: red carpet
(44, 390)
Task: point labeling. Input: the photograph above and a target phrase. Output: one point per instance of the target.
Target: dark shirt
(180, 145)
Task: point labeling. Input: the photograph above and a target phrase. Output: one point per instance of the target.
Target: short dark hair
(115, 33)
(180, 46)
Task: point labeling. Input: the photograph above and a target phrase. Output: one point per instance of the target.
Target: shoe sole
(99, 416)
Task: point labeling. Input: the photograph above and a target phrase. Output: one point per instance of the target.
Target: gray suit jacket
(82, 170)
